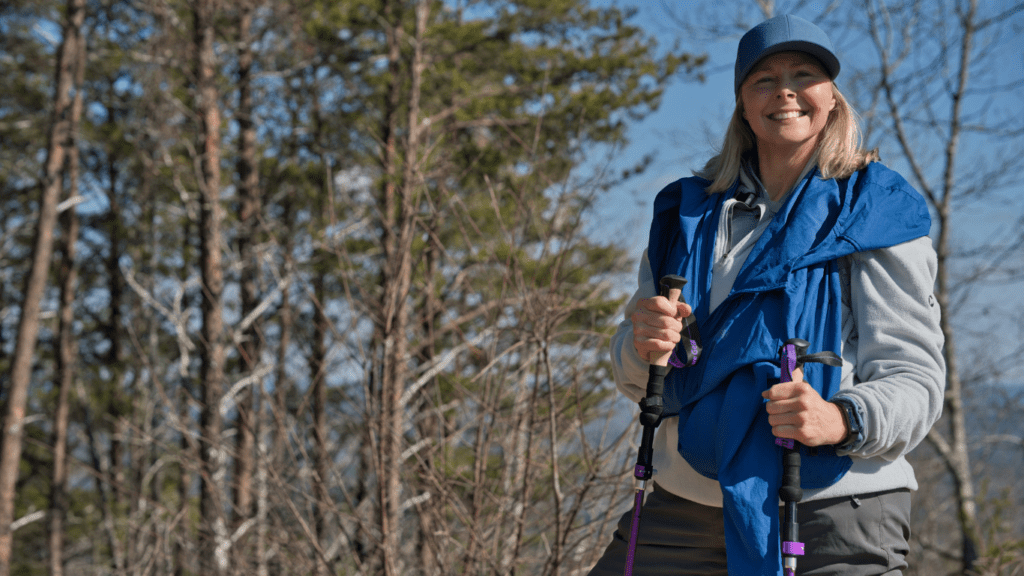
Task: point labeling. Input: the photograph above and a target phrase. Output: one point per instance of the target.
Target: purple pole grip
(789, 363)
(633, 531)
(639, 471)
(786, 442)
(793, 548)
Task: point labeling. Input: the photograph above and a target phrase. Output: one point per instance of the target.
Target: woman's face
(786, 100)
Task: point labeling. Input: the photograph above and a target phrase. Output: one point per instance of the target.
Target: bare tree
(35, 286)
(67, 353)
(934, 87)
(399, 190)
(250, 348)
(214, 543)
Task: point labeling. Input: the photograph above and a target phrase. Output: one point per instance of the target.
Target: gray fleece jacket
(893, 368)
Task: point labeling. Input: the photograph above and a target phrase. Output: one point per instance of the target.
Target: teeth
(785, 115)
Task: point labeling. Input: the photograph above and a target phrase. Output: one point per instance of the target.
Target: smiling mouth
(787, 115)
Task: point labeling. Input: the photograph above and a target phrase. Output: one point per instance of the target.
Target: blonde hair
(839, 152)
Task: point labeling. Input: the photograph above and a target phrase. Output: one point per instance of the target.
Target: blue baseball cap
(782, 34)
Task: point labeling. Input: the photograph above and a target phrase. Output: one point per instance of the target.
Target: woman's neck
(779, 172)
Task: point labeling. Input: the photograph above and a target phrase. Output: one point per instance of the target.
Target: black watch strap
(854, 423)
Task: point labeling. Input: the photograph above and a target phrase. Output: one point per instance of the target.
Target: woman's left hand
(797, 411)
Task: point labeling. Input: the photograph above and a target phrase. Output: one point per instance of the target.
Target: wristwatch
(854, 421)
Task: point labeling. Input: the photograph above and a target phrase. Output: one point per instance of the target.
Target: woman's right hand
(657, 324)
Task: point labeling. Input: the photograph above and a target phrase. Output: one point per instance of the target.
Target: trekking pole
(651, 409)
(792, 355)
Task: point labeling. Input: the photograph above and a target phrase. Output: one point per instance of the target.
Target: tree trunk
(283, 385)
(115, 398)
(105, 487)
(213, 538)
(250, 349)
(955, 453)
(35, 284)
(67, 351)
(960, 464)
(390, 324)
(430, 425)
(180, 563)
(284, 342)
(321, 458)
(398, 227)
(318, 361)
(183, 552)
(152, 483)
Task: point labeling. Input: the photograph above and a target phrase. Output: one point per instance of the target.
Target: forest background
(315, 287)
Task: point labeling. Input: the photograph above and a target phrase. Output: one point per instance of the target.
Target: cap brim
(824, 55)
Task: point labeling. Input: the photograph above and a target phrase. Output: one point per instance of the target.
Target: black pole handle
(652, 406)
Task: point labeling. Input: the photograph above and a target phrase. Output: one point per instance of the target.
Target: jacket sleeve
(900, 372)
(629, 369)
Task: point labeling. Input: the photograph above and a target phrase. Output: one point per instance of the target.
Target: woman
(790, 231)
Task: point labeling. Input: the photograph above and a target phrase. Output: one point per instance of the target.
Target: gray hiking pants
(849, 536)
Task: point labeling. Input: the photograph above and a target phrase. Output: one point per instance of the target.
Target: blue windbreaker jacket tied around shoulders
(788, 287)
